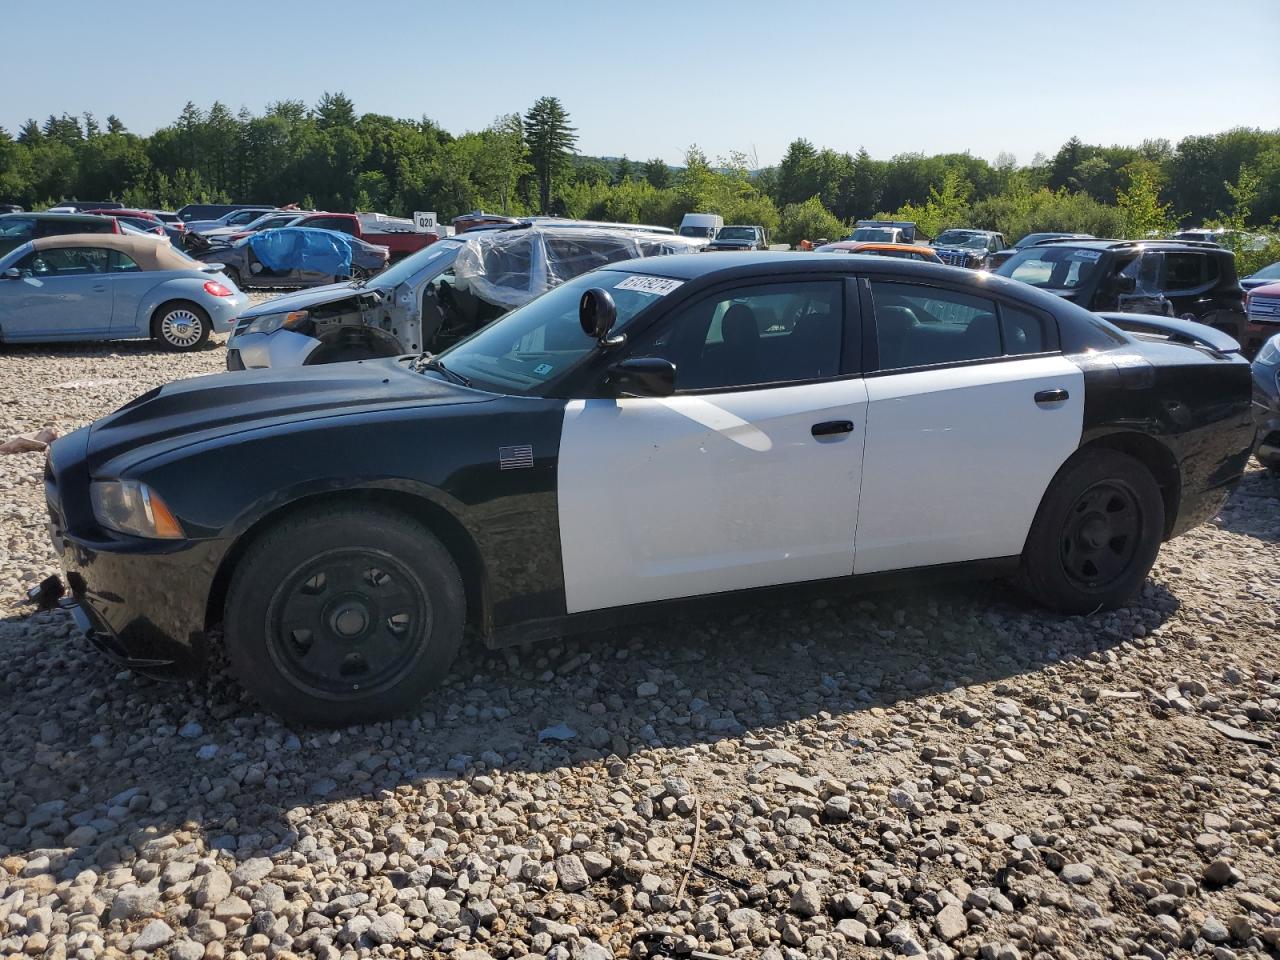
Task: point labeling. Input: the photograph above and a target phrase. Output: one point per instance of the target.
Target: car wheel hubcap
(348, 622)
(1101, 534)
(181, 328)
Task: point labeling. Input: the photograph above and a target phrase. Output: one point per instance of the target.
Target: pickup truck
(738, 237)
(883, 231)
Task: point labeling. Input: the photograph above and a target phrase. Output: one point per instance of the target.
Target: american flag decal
(515, 458)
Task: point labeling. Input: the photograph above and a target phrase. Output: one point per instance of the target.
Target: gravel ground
(948, 773)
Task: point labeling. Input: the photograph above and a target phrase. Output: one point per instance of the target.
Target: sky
(648, 79)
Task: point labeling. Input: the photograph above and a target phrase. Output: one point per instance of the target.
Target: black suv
(968, 248)
(1175, 278)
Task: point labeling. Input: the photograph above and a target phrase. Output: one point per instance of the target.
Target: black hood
(191, 411)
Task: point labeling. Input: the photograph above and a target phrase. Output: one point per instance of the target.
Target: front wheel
(1096, 535)
(344, 616)
(181, 326)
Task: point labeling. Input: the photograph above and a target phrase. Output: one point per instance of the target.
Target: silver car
(113, 287)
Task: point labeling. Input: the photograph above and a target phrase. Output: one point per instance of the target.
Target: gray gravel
(940, 773)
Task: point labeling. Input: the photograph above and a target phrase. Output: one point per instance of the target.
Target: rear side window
(1183, 271)
(1024, 331)
(123, 263)
(920, 326)
(17, 228)
(330, 223)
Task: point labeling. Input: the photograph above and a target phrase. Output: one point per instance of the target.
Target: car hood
(203, 408)
(305, 299)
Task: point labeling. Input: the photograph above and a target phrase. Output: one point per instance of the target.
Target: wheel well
(1156, 457)
(435, 518)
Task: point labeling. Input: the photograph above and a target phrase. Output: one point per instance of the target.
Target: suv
(1177, 278)
(17, 228)
(968, 248)
(739, 237)
(998, 258)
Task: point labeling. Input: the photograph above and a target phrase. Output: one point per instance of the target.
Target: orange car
(906, 251)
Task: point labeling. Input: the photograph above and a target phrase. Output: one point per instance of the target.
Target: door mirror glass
(13, 273)
(597, 313)
(644, 376)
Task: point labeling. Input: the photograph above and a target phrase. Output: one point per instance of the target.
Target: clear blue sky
(649, 78)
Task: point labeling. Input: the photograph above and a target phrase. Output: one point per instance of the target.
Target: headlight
(271, 322)
(129, 506)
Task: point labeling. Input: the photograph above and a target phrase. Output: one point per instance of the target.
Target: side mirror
(1126, 284)
(644, 376)
(597, 313)
(13, 273)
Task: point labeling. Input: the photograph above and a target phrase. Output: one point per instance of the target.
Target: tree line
(328, 156)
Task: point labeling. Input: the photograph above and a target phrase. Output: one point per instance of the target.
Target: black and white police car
(642, 436)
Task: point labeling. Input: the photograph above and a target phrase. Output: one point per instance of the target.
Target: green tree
(335, 110)
(657, 173)
(623, 171)
(551, 143)
(808, 221)
(1141, 210)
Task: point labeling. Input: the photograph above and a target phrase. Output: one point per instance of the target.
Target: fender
(176, 288)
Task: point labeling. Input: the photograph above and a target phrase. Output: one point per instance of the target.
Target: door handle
(832, 428)
(99, 288)
(1052, 396)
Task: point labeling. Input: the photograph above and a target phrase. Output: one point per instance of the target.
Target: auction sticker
(657, 286)
(1086, 254)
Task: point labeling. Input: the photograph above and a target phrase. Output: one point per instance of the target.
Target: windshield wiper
(429, 361)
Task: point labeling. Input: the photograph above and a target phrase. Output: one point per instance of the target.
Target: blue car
(113, 287)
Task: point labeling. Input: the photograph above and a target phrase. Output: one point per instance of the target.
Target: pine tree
(657, 173)
(622, 173)
(115, 124)
(551, 143)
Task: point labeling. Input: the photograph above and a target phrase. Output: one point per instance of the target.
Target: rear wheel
(1096, 534)
(181, 325)
(344, 616)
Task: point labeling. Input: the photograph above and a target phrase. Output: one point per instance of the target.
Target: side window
(917, 325)
(123, 263)
(1025, 332)
(17, 228)
(1183, 271)
(328, 223)
(766, 333)
(66, 262)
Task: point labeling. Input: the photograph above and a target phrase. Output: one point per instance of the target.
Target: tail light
(115, 225)
(216, 289)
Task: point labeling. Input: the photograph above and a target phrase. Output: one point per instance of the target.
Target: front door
(747, 476)
(62, 294)
(970, 415)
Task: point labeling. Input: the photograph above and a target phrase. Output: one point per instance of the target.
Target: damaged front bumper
(281, 349)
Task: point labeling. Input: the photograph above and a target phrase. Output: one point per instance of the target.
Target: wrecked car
(297, 257)
(433, 298)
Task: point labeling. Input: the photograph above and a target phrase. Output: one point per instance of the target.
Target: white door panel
(958, 459)
(687, 495)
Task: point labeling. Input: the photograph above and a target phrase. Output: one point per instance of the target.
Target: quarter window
(919, 326)
(769, 333)
(1183, 271)
(123, 263)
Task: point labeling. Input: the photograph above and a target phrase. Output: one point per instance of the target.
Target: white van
(703, 226)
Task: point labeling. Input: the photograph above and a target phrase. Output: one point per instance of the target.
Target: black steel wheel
(1096, 534)
(1101, 534)
(346, 621)
(343, 615)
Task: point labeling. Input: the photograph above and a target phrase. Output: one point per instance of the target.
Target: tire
(181, 326)
(1096, 534)
(376, 610)
(360, 273)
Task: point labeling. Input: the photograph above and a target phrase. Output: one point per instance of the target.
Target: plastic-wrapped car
(435, 297)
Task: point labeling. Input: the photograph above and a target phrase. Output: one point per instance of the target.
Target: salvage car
(293, 257)
(738, 237)
(17, 228)
(1266, 399)
(433, 298)
(1261, 278)
(1182, 278)
(112, 287)
(1030, 240)
(652, 436)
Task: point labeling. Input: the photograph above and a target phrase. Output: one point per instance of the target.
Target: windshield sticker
(542, 369)
(657, 286)
(1086, 254)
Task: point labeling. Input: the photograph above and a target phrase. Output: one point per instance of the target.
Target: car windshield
(1052, 268)
(695, 231)
(960, 238)
(873, 234)
(1031, 239)
(736, 233)
(542, 339)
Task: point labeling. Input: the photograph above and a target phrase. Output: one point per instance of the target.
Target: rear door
(62, 294)
(970, 414)
(746, 477)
